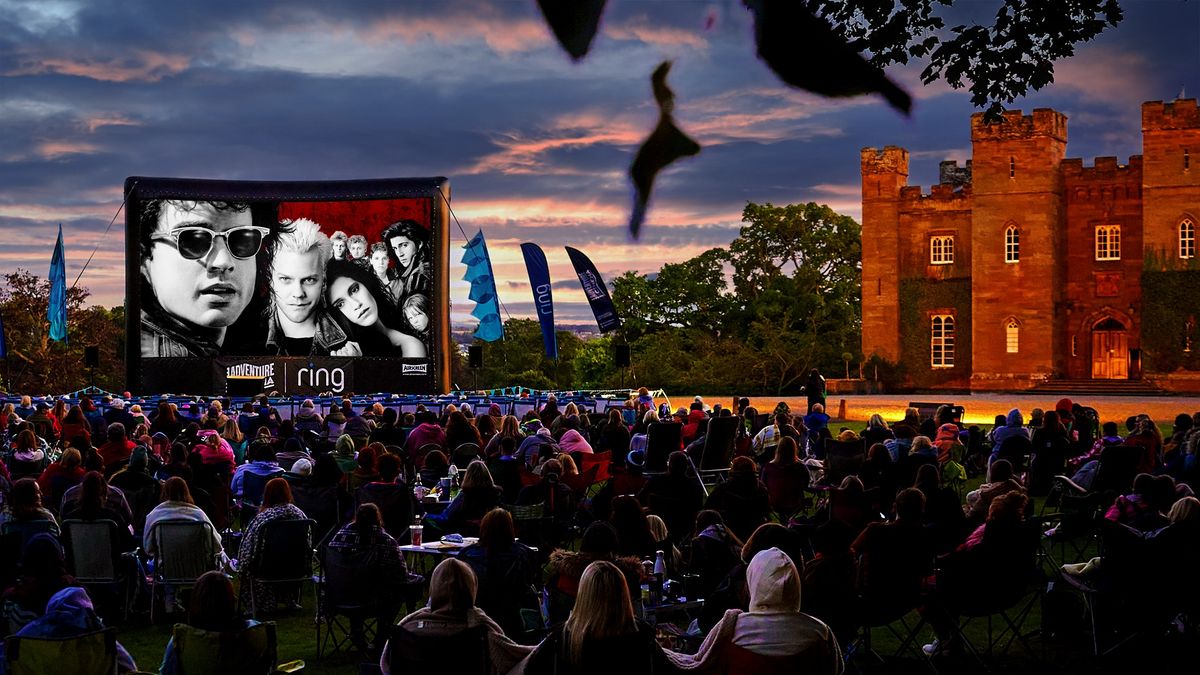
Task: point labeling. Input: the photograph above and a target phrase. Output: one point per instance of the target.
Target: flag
(483, 289)
(595, 290)
(543, 300)
(57, 312)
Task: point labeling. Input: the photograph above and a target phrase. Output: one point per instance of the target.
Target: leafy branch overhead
(665, 145)
(839, 48)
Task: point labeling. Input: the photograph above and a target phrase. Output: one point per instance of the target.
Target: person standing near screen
(297, 323)
(408, 244)
(197, 271)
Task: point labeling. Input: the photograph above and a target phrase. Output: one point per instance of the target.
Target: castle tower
(884, 172)
(1016, 290)
(1170, 175)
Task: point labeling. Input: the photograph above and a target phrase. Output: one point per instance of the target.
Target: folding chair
(287, 556)
(464, 454)
(92, 653)
(94, 559)
(253, 487)
(183, 551)
(250, 651)
(843, 459)
(718, 448)
(662, 438)
(347, 586)
(410, 652)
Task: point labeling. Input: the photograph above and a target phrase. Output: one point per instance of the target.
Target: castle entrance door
(1110, 351)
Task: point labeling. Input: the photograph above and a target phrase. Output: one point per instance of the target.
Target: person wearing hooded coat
(451, 610)
(69, 613)
(774, 636)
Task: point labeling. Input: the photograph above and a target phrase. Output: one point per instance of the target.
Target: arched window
(1012, 336)
(941, 342)
(1108, 242)
(1187, 238)
(941, 250)
(1012, 244)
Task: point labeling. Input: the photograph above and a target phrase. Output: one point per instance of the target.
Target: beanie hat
(302, 467)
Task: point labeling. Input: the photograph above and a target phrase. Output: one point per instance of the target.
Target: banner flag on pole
(543, 300)
(483, 289)
(596, 291)
(57, 311)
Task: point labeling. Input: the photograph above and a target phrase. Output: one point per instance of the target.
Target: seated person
(1000, 481)
(601, 635)
(177, 504)
(566, 567)
(742, 499)
(212, 608)
(391, 495)
(477, 496)
(506, 571)
(675, 496)
(69, 613)
(559, 500)
(25, 505)
(774, 636)
(451, 610)
(894, 558)
(276, 506)
(43, 572)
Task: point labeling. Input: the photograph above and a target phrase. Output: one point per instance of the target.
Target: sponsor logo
(265, 371)
(414, 368)
(591, 285)
(333, 379)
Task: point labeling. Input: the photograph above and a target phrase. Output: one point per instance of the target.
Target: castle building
(1026, 266)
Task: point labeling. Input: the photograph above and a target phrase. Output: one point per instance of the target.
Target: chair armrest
(1070, 485)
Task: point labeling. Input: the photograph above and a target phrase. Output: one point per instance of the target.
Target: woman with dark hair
(435, 468)
(943, 514)
(786, 478)
(459, 430)
(676, 496)
(451, 610)
(352, 291)
(213, 608)
(486, 424)
(364, 538)
(25, 505)
(92, 504)
(613, 436)
(506, 570)
(408, 245)
(510, 427)
(713, 551)
(177, 504)
(566, 567)
(61, 476)
(366, 470)
(74, 424)
(742, 499)
(276, 506)
(633, 531)
(166, 421)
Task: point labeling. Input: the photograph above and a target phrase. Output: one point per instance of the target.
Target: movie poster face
(269, 287)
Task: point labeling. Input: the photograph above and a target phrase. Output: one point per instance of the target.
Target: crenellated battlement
(1178, 114)
(942, 192)
(1015, 126)
(1103, 168)
(891, 159)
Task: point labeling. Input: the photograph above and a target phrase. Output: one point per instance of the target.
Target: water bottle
(660, 566)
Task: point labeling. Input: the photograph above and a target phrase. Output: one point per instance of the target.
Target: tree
(519, 359)
(690, 294)
(37, 364)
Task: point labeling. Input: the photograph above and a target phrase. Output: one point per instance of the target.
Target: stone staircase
(1099, 388)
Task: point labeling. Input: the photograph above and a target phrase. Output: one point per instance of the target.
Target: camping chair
(535, 526)
(718, 447)
(395, 504)
(662, 438)
(251, 651)
(253, 487)
(347, 586)
(464, 454)
(92, 653)
(287, 556)
(410, 652)
(1080, 510)
(600, 460)
(94, 559)
(843, 459)
(184, 550)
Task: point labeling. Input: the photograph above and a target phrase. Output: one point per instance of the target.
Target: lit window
(1108, 242)
(1012, 245)
(1187, 238)
(1012, 167)
(941, 342)
(1012, 336)
(941, 250)
(1074, 345)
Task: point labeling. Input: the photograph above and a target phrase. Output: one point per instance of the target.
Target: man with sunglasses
(297, 322)
(198, 269)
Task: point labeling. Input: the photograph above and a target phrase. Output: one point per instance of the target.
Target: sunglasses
(195, 243)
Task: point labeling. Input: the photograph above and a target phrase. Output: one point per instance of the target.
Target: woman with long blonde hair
(601, 635)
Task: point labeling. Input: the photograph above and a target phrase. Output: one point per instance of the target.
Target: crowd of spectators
(796, 546)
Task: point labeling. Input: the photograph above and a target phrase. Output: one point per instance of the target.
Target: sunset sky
(536, 147)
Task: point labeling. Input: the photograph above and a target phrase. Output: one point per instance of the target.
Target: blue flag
(483, 289)
(596, 291)
(543, 300)
(57, 313)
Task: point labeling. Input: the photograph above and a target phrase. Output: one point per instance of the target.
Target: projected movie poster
(296, 288)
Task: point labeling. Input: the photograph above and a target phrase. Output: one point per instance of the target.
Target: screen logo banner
(304, 377)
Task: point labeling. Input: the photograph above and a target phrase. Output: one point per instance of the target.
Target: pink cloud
(94, 122)
(137, 65)
(59, 149)
(662, 36)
